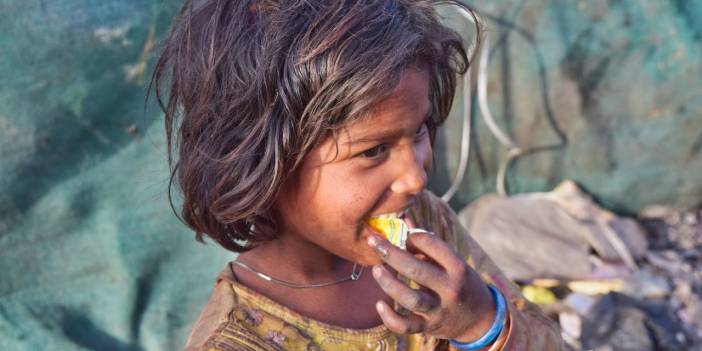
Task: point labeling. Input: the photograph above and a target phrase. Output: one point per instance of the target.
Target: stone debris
(613, 283)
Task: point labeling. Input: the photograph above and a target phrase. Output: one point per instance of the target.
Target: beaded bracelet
(495, 329)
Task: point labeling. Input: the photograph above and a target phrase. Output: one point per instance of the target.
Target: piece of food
(393, 228)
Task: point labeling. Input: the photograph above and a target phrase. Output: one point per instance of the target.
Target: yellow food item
(393, 228)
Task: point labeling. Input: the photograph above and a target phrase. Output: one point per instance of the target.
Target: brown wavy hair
(249, 86)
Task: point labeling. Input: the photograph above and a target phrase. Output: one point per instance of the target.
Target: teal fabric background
(91, 256)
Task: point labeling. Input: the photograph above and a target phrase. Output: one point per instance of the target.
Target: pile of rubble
(675, 253)
(613, 283)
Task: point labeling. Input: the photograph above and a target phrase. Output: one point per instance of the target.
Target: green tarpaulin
(91, 255)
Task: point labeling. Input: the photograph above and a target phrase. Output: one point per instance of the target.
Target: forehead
(408, 105)
(396, 116)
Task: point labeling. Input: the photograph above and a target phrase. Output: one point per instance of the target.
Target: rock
(571, 325)
(626, 324)
(580, 303)
(645, 283)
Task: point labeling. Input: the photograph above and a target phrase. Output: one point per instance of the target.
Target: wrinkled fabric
(237, 318)
(562, 227)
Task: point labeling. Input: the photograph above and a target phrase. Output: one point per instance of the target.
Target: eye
(374, 152)
(422, 131)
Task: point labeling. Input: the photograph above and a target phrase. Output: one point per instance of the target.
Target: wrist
(483, 307)
(495, 324)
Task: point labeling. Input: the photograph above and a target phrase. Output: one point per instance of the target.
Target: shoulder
(432, 213)
(219, 326)
(213, 317)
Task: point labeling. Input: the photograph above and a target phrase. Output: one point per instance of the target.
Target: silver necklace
(355, 275)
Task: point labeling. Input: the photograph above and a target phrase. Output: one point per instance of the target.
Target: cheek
(352, 194)
(342, 204)
(330, 201)
(334, 219)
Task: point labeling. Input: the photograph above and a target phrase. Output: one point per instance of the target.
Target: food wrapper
(393, 228)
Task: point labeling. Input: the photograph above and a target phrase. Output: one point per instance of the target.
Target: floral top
(238, 318)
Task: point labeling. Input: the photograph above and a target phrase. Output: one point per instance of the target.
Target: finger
(406, 264)
(437, 250)
(416, 230)
(414, 300)
(400, 324)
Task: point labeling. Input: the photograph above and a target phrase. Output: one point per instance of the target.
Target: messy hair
(248, 87)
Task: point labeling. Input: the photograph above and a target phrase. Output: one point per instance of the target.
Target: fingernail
(382, 250)
(376, 272)
(379, 247)
(379, 306)
(373, 241)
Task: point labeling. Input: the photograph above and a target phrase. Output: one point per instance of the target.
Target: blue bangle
(495, 329)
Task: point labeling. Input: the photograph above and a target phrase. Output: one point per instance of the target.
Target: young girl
(292, 124)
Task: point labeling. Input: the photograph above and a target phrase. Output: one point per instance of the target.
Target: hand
(452, 302)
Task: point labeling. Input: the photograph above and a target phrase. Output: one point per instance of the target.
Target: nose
(411, 171)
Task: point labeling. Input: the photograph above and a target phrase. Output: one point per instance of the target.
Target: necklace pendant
(356, 275)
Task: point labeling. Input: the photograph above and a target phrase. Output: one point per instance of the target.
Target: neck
(295, 259)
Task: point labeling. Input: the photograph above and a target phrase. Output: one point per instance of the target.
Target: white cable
(465, 141)
(513, 150)
(465, 130)
(482, 96)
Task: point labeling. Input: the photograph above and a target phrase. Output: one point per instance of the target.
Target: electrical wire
(513, 149)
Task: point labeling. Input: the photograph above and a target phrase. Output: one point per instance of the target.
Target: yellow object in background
(538, 295)
(587, 287)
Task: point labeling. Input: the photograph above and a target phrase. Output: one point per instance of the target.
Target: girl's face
(379, 167)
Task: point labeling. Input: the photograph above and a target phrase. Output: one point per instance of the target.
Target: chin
(371, 261)
(367, 258)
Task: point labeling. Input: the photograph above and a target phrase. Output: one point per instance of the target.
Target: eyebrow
(383, 135)
(375, 137)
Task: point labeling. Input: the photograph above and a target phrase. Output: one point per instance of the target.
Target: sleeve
(216, 328)
(527, 328)
(227, 323)
(215, 314)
